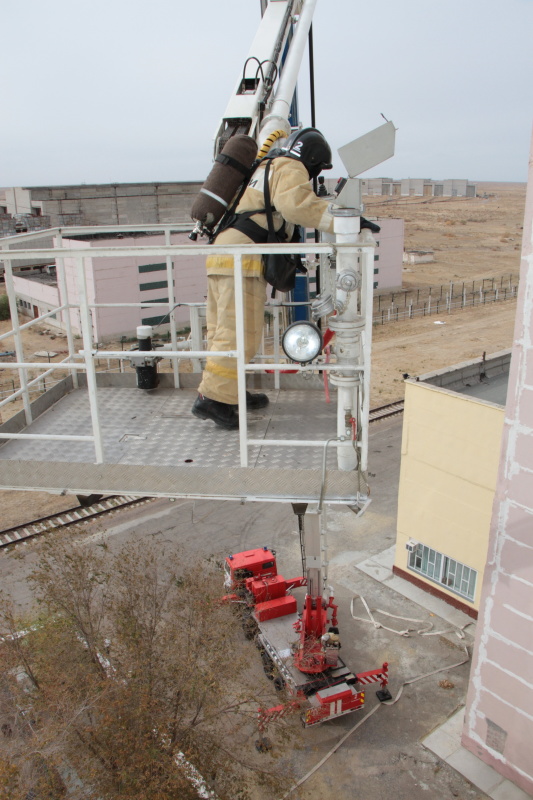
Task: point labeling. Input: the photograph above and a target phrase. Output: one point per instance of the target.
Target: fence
(396, 306)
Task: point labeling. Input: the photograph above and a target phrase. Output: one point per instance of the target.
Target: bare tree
(134, 674)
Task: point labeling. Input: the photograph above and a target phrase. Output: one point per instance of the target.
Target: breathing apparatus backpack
(225, 184)
(230, 174)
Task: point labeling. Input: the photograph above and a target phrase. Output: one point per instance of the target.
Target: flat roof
(485, 378)
(492, 389)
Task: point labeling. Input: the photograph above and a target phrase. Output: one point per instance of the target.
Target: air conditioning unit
(412, 546)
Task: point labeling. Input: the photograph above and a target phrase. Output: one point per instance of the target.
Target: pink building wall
(390, 253)
(118, 280)
(499, 713)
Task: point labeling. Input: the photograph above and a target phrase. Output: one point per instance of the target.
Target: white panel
(368, 150)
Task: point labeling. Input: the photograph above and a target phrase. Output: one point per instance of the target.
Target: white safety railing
(85, 359)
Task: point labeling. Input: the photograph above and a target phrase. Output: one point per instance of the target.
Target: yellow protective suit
(295, 203)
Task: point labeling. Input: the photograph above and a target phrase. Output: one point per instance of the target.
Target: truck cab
(259, 563)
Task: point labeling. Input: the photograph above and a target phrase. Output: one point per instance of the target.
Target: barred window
(444, 570)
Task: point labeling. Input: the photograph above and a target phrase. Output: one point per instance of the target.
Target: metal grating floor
(156, 429)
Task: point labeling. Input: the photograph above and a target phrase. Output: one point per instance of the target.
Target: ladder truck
(300, 649)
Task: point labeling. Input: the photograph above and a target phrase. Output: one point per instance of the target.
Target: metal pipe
(132, 251)
(19, 347)
(294, 443)
(281, 107)
(241, 360)
(367, 302)
(127, 354)
(277, 312)
(172, 321)
(39, 365)
(63, 295)
(33, 321)
(55, 437)
(86, 327)
(347, 323)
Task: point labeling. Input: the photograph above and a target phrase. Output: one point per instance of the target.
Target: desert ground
(472, 239)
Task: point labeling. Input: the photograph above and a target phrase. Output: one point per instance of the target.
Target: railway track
(73, 516)
(389, 410)
(107, 505)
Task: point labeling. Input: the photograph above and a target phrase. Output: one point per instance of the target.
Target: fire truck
(299, 648)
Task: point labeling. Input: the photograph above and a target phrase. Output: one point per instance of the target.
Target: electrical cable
(324, 457)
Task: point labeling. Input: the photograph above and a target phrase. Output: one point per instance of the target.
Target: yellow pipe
(269, 141)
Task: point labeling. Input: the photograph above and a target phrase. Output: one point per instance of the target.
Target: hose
(423, 632)
(269, 141)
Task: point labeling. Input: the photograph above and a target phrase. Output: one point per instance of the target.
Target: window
(376, 258)
(155, 320)
(152, 267)
(159, 300)
(445, 571)
(145, 287)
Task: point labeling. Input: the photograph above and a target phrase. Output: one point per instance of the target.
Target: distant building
(388, 257)
(104, 204)
(418, 256)
(418, 187)
(112, 280)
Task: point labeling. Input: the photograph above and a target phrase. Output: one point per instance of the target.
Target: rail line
(107, 505)
(30, 530)
(389, 410)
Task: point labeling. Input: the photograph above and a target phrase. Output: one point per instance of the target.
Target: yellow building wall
(450, 455)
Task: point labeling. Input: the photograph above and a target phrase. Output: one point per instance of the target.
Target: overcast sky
(133, 90)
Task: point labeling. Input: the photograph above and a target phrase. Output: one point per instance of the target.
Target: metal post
(196, 336)
(171, 320)
(65, 314)
(86, 328)
(348, 325)
(277, 327)
(19, 348)
(241, 359)
(367, 270)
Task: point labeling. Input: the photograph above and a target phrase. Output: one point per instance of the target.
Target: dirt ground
(472, 238)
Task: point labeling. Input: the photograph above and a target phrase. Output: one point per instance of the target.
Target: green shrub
(4, 307)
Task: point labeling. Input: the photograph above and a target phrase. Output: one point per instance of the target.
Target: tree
(133, 674)
(5, 313)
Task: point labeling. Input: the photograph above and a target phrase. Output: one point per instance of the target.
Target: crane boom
(262, 97)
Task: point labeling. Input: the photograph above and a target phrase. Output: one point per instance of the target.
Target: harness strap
(243, 223)
(222, 158)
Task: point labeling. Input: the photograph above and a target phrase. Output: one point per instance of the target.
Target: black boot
(255, 400)
(372, 227)
(222, 414)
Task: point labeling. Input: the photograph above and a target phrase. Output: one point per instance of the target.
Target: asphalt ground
(384, 756)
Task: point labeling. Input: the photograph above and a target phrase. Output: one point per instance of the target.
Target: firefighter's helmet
(310, 147)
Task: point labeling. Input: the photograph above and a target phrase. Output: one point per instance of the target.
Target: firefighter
(305, 154)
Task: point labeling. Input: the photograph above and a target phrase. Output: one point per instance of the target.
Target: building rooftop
(485, 378)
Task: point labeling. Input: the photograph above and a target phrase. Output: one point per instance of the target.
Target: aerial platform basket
(98, 433)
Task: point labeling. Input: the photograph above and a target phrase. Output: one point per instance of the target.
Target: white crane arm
(262, 97)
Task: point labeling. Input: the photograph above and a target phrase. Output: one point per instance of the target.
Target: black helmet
(309, 146)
